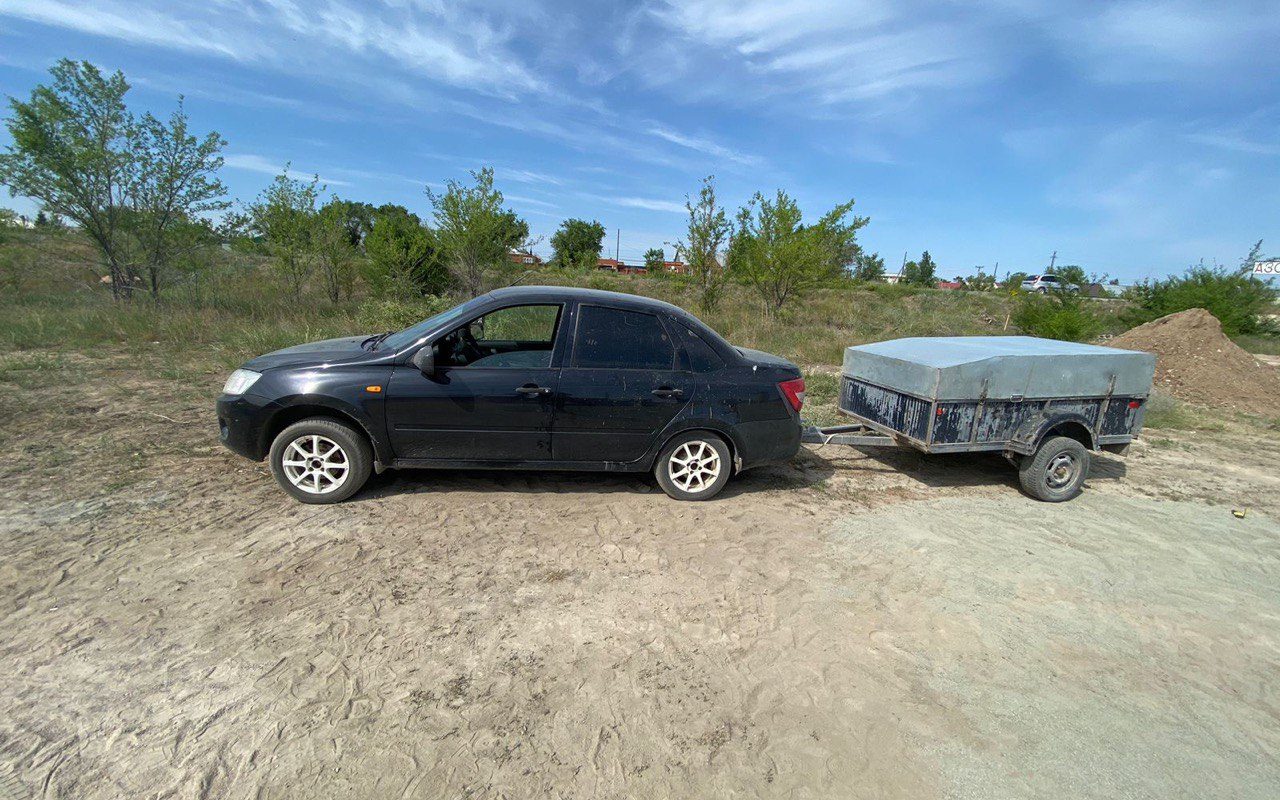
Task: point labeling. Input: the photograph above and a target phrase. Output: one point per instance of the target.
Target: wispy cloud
(528, 201)
(132, 24)
(831, 51)
(1129, 41)
(650, 204)
(251, 162)
(528, 176)
(456, 44)
(1236, 143)
(703, 145)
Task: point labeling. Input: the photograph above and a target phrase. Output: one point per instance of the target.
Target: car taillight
(793, 390)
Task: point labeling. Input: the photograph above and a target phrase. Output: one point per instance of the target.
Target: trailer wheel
(1057, 471)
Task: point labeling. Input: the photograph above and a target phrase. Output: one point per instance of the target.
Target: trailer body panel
(985, 393)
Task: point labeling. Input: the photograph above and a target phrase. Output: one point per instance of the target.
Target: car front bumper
(241, 424)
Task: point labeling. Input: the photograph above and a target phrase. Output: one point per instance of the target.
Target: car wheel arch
(695, 426)
(296, 412)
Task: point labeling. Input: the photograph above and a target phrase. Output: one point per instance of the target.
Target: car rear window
(617, 339)
(701, 357)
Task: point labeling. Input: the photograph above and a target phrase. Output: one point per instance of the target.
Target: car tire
(320, 460)
(694, 466)
(1057, 470)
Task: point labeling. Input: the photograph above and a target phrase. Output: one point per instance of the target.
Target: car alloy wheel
(316, 464)
(694, 466)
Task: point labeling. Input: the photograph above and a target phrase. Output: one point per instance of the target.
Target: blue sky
(1134, 138)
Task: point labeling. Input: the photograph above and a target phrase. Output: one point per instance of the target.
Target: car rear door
(621, 386)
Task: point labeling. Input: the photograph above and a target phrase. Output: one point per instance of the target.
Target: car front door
(491, 394)
(620, 388)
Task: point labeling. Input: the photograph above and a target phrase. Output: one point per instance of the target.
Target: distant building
(623, 268)
(620, 267)
(950, 285)
(524, 257)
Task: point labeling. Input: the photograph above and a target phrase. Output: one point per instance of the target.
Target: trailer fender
(1075, 426)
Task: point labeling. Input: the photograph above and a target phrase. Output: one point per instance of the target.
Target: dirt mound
(1196, 362)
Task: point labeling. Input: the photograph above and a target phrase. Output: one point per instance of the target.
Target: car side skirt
(559, 466)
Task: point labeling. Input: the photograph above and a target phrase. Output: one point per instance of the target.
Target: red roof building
(521, 257)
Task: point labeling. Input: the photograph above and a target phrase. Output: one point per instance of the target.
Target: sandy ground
(879, 625)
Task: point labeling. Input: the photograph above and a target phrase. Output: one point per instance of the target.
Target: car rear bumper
(240, 424)
(767, 441)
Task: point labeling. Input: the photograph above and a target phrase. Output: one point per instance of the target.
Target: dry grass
(237, 309)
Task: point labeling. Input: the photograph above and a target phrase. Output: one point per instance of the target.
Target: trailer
(1042, 403)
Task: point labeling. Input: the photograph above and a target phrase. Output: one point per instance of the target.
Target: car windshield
(413, 333)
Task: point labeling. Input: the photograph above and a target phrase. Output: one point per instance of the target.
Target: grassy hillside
(236, 308)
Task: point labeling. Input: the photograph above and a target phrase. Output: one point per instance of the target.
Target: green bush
(1237, 298)
(1059, 315)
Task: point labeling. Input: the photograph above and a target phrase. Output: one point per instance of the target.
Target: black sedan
(532, 377)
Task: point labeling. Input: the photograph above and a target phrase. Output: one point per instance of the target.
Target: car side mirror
(425, 359)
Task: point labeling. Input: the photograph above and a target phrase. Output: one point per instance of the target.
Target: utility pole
(1052, 260)
(617, 246)
(903, 269)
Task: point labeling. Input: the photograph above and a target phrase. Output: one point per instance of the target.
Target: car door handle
(667, 391)
(532, 390)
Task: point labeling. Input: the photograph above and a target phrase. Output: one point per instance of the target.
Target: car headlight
(240, 381)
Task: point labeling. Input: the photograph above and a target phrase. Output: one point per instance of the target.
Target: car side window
(611, 338)
(701, 357)
(516, 336)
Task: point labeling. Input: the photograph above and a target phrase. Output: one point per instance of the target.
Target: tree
(1060, 315)
(709, 229)
(868, 268)
(356, 219)
(72, 151)
(1072, 274)
(780, 257)
(284, 217)
(577, 244)
(473, 231)
(980, 281)
(922, 272)
(42, 219)
(1014, 279)
(176, 183)
(404, 259)
(1240, 300)
(335, 252)
(655, 260)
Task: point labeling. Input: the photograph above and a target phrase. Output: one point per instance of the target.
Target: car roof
(543, 293)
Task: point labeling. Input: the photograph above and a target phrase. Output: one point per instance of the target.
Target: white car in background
(1047, 283)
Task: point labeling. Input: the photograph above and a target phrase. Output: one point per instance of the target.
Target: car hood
(327, 351)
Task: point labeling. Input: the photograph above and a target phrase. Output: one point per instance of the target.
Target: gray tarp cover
(957, 367)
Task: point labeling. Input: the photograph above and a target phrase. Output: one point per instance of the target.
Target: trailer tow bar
(853, 435)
